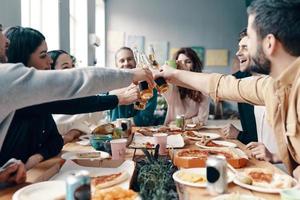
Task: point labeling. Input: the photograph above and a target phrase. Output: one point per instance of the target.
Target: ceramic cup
(118, 149)
(161, 139)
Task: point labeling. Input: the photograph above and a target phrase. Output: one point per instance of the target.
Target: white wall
(208, 23)
(10, 12)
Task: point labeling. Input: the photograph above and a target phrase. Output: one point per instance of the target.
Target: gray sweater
(21, 87)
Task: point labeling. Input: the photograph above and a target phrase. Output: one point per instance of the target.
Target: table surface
(39, 172)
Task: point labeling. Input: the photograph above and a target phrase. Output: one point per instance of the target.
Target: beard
(260, 63)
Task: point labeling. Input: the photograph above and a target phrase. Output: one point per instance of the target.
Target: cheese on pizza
(105, 181)
(204, 153)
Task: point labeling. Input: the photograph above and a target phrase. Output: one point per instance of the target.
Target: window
(43, 16)
(78, 31)
(100, 32)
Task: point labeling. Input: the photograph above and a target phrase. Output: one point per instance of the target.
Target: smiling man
(274, 45)
(246, 111)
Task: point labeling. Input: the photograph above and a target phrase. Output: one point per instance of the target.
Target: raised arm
(22, 86)
(217, 86)
(75, 106)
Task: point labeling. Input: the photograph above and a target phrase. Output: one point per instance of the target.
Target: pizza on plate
(209, 143)
(148, 131)
(266, 178)
(88, 154)
(105, 181)
(204, 153)
(191, 158)
(193, 135)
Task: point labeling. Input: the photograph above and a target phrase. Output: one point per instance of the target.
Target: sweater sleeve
(22, 86)
(53, 144)
(146, 117)
(75, 106)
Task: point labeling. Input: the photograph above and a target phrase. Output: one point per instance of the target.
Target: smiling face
(262, 64)
(64, 61)
(125, 59)
(243, 55)
(184, 62)
(4, 43)
(39, 59)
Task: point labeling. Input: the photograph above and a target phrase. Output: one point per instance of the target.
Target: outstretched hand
(13, 172)
(143, 74)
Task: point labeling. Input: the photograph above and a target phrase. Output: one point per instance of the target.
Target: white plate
(85, 137)
(212, 136)
(84, 142)
(70, 167)
(173, 141)
(47, 190)
(260, 188)
(237, 197)
(220, 142)
(191, 125)
(201, 171)
(73, 155)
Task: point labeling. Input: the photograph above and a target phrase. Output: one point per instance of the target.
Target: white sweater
(21, 87)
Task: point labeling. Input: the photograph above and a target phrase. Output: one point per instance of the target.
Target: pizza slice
(105, 181)
(266, 178)
(88, 154)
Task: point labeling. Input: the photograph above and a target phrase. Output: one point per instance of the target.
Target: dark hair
(242, 34)
(280, 18)
(197, 67)
(55, 54)
(23, 42)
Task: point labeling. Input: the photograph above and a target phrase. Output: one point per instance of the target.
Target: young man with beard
(246, 111)
(22, 86)
(274, 45)
(124, 59)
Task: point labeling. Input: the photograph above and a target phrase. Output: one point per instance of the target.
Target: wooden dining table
(44, 170)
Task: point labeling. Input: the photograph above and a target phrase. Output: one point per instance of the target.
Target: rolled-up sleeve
(248, 90)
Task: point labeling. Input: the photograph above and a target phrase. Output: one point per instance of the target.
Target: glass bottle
(145, 91)
(161, 84)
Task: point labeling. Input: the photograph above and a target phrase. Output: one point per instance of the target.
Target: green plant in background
(154, 177)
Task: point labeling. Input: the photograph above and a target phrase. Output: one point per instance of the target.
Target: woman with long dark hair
(182, 101)
(33, 132)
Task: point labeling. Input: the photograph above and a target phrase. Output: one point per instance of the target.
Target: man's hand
(230, 131)
(13, 172)
(259, 151)
(143, 75)
(166, 71)
(130, 95)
